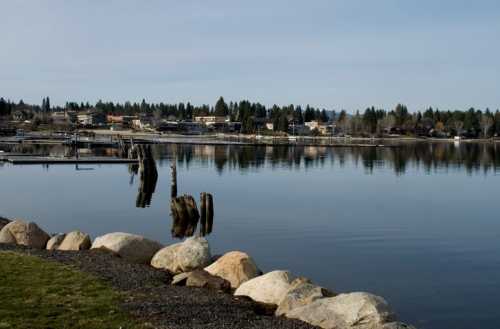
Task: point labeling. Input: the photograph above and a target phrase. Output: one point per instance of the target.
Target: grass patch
(36, 294)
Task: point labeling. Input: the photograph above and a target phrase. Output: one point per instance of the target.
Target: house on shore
(20, 115)
(64, 117)
(211, 120)
(322, 128)
(123, 121)
(91, 118)
(181, 127)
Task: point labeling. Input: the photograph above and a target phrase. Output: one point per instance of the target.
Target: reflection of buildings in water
(268, 151)
(204, 151)
(473, 157)
(311, 152)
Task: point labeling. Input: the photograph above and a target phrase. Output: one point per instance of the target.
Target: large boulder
(7, 237)
(300, 294)
(131, 247)
(75, 240)
(192, 254)
(3, 222)
(202, 279)
(269, 288)
(357, 310)
(236, 267)
(55, 241)
(23, 233)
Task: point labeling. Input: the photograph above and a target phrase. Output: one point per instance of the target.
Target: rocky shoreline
(184, 286)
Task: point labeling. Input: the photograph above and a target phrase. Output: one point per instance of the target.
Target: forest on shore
(472, 122)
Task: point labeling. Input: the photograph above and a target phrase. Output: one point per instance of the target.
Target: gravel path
(154, 301)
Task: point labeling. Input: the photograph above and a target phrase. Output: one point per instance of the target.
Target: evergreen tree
(298, 117)
(323, 116)
(401, 114)
(4, 109)
(221, 108)
(283, 123)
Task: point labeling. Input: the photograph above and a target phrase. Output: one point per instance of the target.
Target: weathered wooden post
(148, 176)
(132, 152)
(185, 216)
(210, 212)
(206, 213)
(173, 189)
(203, 214)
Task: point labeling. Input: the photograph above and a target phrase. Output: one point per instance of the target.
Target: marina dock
(27, 160)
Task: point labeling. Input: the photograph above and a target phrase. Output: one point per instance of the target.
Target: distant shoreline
(110, 138)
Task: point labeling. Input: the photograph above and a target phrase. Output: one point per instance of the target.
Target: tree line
(252, 116)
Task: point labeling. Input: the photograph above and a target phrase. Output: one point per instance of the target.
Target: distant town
(247, 118)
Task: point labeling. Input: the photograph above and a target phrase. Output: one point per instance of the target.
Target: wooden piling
(193, 215)
(148, 176)
(206, 213)
(209, 212)
(203, 214)
(173, 189)
(185, 216)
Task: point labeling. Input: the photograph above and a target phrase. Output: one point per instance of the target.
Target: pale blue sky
(334, 54)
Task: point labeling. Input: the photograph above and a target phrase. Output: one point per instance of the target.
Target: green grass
(36, 294)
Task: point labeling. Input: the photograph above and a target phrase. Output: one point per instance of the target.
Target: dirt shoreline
(151, 299)
(108, 137)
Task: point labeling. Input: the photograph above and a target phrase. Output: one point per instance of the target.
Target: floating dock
(26, 160)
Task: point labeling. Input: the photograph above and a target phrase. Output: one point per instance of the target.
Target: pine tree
(221, 108)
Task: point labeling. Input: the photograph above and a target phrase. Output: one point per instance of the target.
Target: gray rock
(357, 310)
(236, 267)
(203, 279)
(300, 294)
(269, 288)
(23, 233)
(192, 254)
(180, 279)
(134, 248)
(55, 241)
(75, 240)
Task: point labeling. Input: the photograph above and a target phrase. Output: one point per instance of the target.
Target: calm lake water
(418, 225)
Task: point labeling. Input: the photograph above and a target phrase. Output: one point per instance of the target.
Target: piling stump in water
(132, 152)
(185, 213)
(207, 213)
(185, 216)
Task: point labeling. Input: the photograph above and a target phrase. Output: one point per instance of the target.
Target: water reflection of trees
(473, 157)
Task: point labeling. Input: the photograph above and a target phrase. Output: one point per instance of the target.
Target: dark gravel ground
(150, 298)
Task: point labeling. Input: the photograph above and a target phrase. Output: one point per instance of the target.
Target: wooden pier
(33, 160)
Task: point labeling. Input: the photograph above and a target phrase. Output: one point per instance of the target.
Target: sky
(336, 54)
